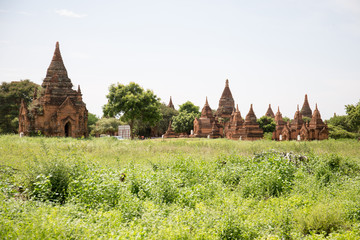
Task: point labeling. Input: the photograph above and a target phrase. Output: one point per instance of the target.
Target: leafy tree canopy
(184, 122)
(10, 100)
(161, 127)
(353, 117)
(267, 124)
(107, 126)
(189, 107)
(92, 119)
(132, 104)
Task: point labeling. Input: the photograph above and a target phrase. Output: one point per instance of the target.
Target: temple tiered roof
(306, 110)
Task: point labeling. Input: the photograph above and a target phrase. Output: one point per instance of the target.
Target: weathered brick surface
(58, 110)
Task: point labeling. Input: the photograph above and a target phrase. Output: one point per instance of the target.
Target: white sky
(272, 51)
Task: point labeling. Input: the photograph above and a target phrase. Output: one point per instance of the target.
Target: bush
(337, 132)
(233, 229)
(49, 180)
(320, 219)
(267, 175)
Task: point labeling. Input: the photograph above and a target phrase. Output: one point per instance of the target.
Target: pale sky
(271, 51)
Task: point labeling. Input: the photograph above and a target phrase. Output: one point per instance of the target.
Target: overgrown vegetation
(346, 126)
(178, 189)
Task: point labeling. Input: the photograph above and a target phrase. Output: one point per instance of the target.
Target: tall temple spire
(226, 102)
(269, 112)
(171, 105)
(278, 116)
(306, 110)
(57, 67)
(251, 117)
(316, 117)
(206, 110)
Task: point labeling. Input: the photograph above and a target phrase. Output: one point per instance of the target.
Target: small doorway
(68, 129)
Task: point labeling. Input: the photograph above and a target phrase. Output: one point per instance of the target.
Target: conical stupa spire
(316, 117)
(79, 90)
(251, 117)
(306, 110)
(226, 102)
(278, 116)
(206, 110)
(269, 112)
(171, 105)
(237, 108)
(57, 67)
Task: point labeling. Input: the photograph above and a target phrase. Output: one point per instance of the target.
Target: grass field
(62, 188)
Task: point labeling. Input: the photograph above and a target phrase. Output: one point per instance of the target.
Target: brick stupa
(171, 105)
(306, 110)
(269, 112)
(57, 110)
(226, 103)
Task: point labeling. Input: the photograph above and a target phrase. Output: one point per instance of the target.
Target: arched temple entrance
(68, 129)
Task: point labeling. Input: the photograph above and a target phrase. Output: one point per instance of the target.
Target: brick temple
(57, 110)
(227, 121)
(298, 129)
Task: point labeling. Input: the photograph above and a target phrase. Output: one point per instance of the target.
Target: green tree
(306, 119)
(189, 107)
(10, 100)
(92, 119)
(161, 127)
(132, 104)
(107, 126)
(353, 117)
(267, 124)
(286, 119)
(184, 122)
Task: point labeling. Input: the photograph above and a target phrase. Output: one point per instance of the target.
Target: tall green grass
(178, 189)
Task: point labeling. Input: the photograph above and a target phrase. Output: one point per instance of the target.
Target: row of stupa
(227, 122)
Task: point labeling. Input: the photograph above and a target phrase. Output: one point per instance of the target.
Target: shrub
(96, 188)
(321, 219)
(267, 175)
(49, 180)
(337, 132)
(233, 229)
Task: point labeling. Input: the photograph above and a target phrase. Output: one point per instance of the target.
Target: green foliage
(184, 122)
(178, 189)
(161, 127)
(234, 230)
(353, 117)
(267, 175)
(320, 219)
(286, 119)
(107, 126)
(267, 124)
(189, 107)
(306, 119)
(347, 126)
(92, 120)
(132, 103)
(49, 180)
(337, 132)
(10, 100)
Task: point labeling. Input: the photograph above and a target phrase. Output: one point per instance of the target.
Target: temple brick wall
(57, 110)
